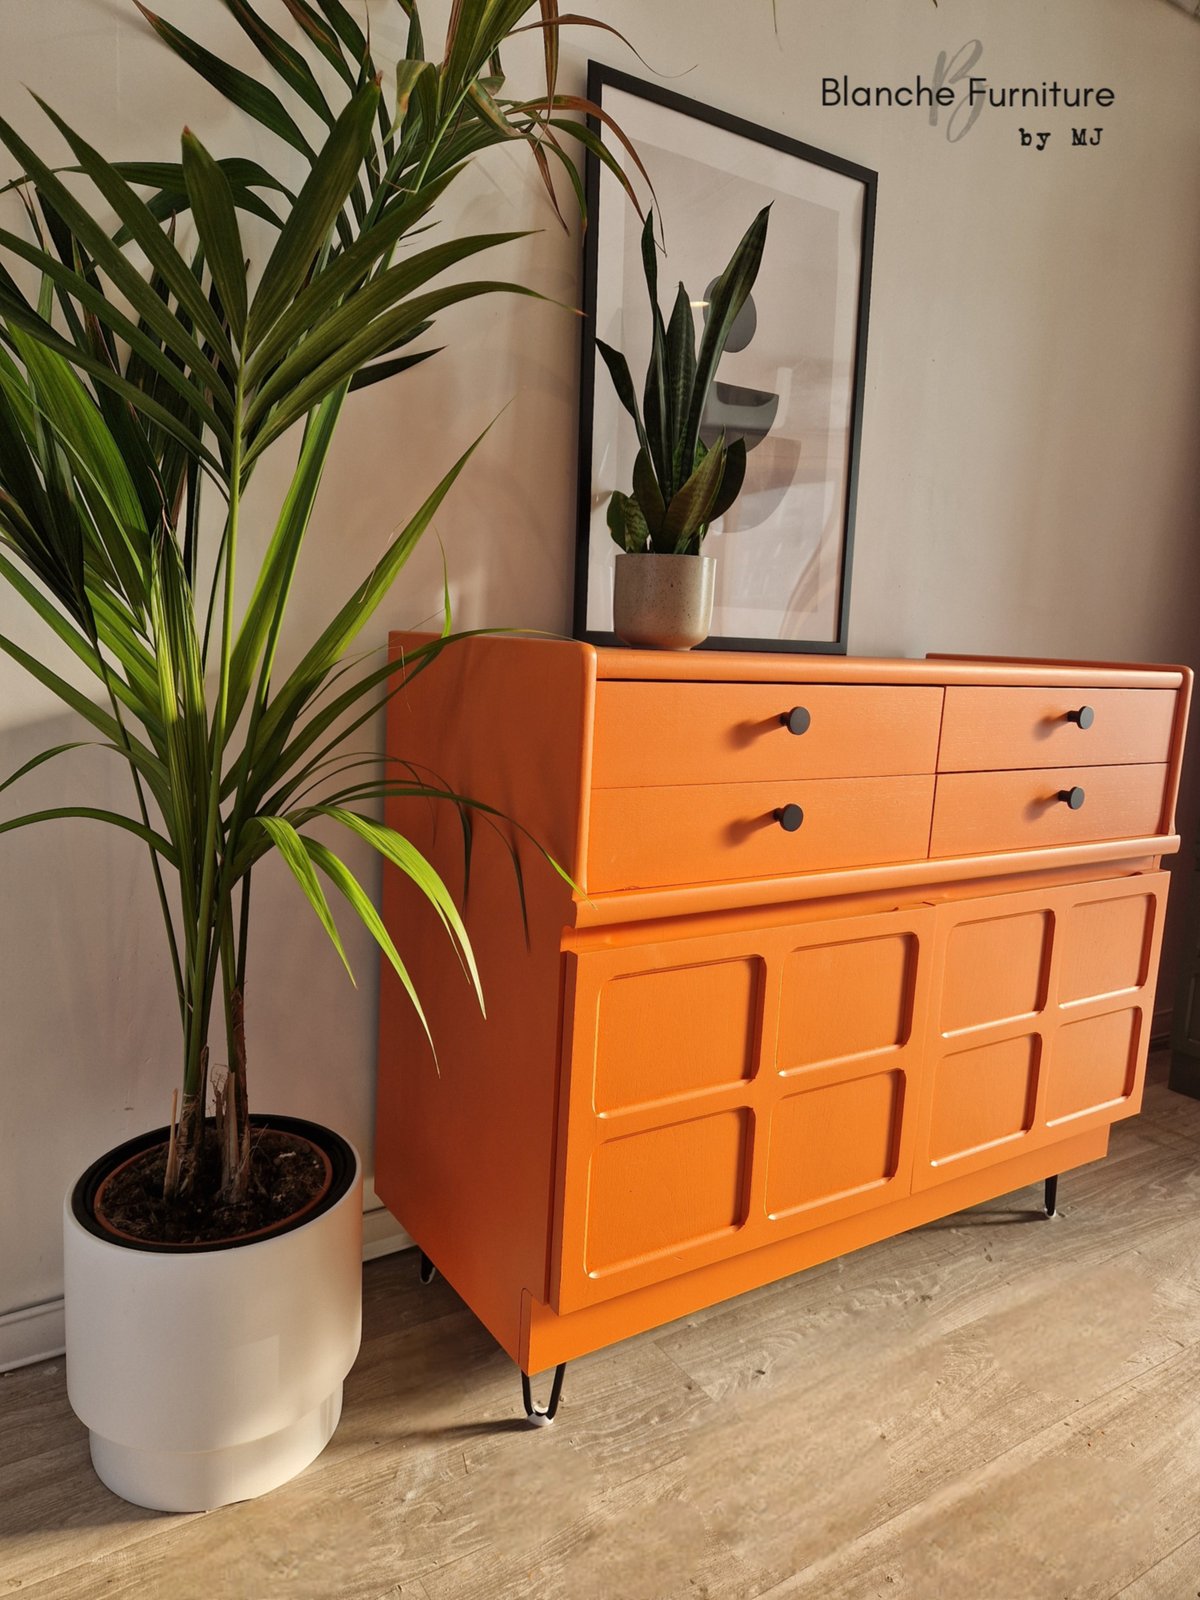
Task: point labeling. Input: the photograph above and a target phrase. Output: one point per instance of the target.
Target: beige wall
(1029, 469)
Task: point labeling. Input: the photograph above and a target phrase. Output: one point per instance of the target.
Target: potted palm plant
(146, 370)
(663, 588)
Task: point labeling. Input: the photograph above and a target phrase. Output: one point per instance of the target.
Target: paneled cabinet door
(1040, 1019)
(726, 1091)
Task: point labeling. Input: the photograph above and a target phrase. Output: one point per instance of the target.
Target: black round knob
(1071, 797)
(1085, 716)
(797, 720)
(789, 818)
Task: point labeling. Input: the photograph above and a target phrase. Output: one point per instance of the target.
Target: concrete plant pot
(213, 1373)
(663, 602)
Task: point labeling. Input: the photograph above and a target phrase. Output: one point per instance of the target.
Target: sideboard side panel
(465, 1143)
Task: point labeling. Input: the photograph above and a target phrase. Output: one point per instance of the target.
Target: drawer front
(657, 734)
(976, 813)
(659, 837)
(985, 728)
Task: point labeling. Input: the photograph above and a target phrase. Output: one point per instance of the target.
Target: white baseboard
(36, 1333)
(33, 1334)
(382, 1234)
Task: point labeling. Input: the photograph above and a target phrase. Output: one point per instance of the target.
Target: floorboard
(994, 1407)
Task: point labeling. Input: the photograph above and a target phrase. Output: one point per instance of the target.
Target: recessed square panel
(665, 1189)
(847, 999)
(834, 1141)
(983, 1097)
(676, 1032)
(1105, 945)
(1093, 1064)
(995, 970)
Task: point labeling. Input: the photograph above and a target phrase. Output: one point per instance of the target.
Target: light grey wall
(1029, 478)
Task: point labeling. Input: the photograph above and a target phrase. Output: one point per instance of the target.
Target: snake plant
(679, 484)
(149, 371)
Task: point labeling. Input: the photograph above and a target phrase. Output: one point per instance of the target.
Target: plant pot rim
(338, 1153)
(665, 555)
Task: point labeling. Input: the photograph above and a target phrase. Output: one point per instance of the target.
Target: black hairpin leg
(543, 1416)
(1052, 1195)
(427, 1270)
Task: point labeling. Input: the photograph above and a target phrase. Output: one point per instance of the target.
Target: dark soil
(287, 1175)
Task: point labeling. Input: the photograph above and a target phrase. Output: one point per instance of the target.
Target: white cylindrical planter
(663, 602)
(210, 1375)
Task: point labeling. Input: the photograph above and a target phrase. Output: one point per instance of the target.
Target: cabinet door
(1040, 1019)
(725, 1091)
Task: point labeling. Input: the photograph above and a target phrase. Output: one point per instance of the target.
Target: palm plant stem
(143, 810)
(203, 966)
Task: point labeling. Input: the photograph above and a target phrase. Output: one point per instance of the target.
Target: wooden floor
(990, 1408)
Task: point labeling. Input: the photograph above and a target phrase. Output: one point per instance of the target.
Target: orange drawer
(984, 728)
(977, 813)
(673, 733)
(657, 837)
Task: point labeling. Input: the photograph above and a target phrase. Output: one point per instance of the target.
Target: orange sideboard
(841, 946)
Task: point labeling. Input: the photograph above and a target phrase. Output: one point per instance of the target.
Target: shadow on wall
(89, 1032)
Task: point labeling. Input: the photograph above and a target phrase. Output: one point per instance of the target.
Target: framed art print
(791, 379)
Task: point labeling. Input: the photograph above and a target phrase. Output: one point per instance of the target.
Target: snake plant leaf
(649, 249)
(238, 87)
(618, 369)
(655, 409)
(647, 493)
(317, 207)
(691, 506)
(729, 295)
(732, 479)
(627, 524)
(680, 378)
(291, 847)
(615, 517)
(348, 885)
(215, 212)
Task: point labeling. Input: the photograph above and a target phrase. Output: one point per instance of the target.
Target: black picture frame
(590, 520)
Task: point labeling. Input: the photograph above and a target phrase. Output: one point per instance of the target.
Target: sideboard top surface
(727, 666)
(609, 663)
